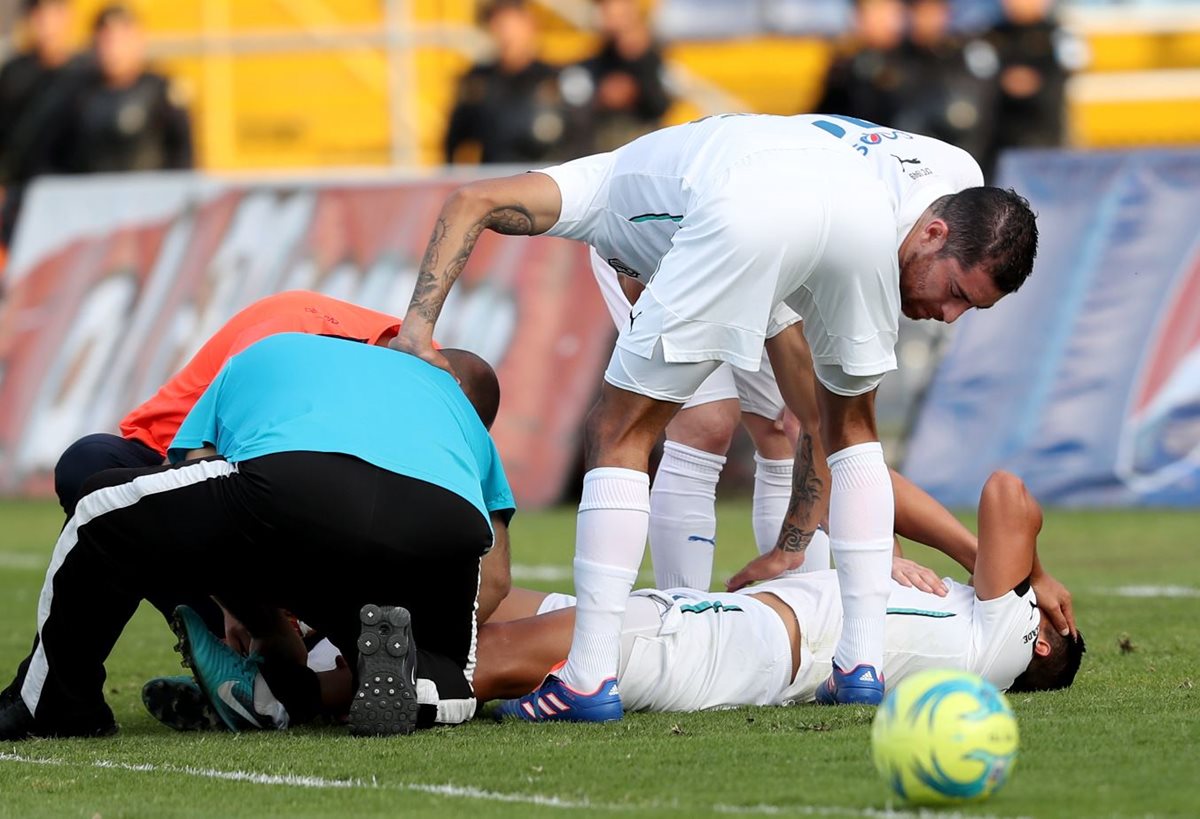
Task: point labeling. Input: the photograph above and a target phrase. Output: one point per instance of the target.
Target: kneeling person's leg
(111, 555)
(96, 453)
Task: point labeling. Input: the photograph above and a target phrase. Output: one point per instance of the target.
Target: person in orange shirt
(147, 431)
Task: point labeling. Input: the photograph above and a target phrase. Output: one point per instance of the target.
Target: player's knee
(80, 461)
(622, 434)
(707, 427)
(1008, 492)
(772, 439)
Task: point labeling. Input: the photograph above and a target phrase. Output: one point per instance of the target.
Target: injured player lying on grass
(772, 644)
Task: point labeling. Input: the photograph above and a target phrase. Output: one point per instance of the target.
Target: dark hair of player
(992, 227)
(1057, 669)
(478, 380)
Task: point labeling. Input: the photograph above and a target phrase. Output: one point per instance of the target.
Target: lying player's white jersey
(703, 650)
(993, 638)
(736, 221)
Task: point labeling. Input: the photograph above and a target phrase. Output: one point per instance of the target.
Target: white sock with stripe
(610, 539)
(683, 518)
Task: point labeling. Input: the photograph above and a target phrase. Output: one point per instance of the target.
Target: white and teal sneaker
(226, 677)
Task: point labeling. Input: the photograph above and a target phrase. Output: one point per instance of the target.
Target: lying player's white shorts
(687, 650)
(756, 392)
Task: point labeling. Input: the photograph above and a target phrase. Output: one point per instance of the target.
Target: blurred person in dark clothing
(26, 78)
(509, 109)
(619, 91)
(31, 84)
(123, 117)
(949, 87)
(864, 78)
(1036, 58)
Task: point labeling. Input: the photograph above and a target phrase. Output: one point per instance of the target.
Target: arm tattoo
(806, 483)
(793, 538)
(806, 492)
(430, 291)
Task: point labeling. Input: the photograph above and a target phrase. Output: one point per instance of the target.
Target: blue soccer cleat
(555, 700)
(861, 685)
(226, 677)
(179, 703)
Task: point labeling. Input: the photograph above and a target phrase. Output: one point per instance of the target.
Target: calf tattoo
(430, 291)
(806, 492)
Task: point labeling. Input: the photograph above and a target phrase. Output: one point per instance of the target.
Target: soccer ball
(944, 736)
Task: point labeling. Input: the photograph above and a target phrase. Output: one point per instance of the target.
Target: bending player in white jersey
(687, 650)
(733, 223)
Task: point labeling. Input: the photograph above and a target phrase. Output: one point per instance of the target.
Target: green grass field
(1124, 742)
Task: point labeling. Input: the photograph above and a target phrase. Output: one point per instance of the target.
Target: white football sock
(683, 518)
(861, 520)
(610, 539)
(816, 556)
(772, 493)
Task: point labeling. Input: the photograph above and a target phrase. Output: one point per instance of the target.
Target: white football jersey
(734, 221)
(992, 638)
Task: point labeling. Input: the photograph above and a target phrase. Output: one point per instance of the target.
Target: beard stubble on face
(914, 280)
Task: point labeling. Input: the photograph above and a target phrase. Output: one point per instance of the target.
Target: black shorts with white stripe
(319, 534)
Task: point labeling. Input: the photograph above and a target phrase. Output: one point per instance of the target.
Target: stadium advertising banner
(115, 282)
(1086, 382)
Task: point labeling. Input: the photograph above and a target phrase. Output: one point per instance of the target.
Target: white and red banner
(114, 282)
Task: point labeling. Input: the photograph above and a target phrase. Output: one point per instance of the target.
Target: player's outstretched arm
(922, 519)
(521, 205)
(1009, 522)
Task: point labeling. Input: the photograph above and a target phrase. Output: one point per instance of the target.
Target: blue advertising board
(1086, 382)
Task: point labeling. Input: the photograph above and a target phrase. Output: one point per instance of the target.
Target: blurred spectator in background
(866, 78)
(30, 85)
(907, 69)
(949, 87)
(619, 92)
(122, 117)
(1036, 57)
(508, 110)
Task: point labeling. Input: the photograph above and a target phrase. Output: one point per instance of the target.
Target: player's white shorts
(687, 650)
(756, 392)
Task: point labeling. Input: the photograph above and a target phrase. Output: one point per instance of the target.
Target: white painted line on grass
(542, 573)
(550, 573)
(469, 792)
(1152, 591)
(17, 560)
(318, 782)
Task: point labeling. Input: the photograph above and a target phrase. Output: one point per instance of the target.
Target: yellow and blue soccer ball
(944, 736)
